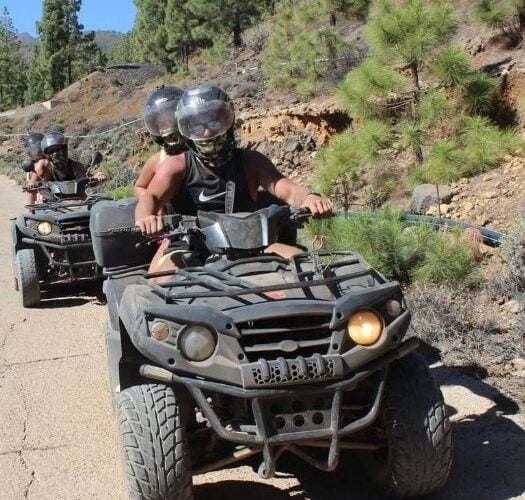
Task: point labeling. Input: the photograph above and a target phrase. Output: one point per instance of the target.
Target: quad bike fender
(16, 238)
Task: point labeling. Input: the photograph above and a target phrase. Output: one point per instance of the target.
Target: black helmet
(52, 142)
(32, 145)
(206, 119)
(160, 120)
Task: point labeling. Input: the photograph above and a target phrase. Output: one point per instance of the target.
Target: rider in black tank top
(205, 188)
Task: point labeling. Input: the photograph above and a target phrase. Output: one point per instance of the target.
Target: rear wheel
(14, 268)
(28, 279)
(156, 455)
(413, 417)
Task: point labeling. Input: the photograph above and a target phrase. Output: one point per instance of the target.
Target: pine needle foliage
(305, 44)
(451, 66)
(480, 93)
(409, 30)
(364, 90)
(407, 253)
(345, 155)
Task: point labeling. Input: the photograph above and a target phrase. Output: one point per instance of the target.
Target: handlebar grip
(130, 229)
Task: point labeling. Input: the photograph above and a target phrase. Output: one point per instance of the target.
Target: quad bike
(242, 353)
(51, 242)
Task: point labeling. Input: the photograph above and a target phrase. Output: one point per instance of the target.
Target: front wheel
(156, 457)
(28, 279)
(413, 419)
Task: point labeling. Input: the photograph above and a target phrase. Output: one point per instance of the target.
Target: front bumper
(273, 439)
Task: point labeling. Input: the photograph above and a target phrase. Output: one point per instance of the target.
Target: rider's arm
(163, 187)
(146, 175)
(283, 188)
(40, 173)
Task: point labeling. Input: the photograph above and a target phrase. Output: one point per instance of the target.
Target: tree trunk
(414, 71)
(333, 19)
(237, 40)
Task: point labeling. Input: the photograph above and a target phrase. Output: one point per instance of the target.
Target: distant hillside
(104, 38)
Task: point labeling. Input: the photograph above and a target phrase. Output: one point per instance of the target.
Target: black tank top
(59, 176)
(205, 189)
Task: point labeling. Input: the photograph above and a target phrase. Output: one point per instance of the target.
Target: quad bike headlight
(44, 228)
(197, 342)
(365, 327)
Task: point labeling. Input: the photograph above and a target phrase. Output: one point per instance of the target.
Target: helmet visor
(205, 121)
(160, 120)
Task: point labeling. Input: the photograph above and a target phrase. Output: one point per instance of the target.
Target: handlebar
(38, 186)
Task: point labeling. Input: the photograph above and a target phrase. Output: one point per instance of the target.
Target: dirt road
(58, 438)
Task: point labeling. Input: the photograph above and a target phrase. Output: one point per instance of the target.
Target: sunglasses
(199, 128)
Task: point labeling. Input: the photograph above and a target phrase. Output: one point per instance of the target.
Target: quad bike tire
(14, 268)
(28, 278)
(156, 457)
(413, 416)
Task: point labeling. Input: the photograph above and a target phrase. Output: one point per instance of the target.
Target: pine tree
(124, 50)
(151, 34)
(35, 89)
(12, 69)
(223, 16)
(303, 46)
(54, 39)
(179, 23)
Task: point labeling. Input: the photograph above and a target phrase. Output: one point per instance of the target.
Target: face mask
(173, 144)
(59, 159)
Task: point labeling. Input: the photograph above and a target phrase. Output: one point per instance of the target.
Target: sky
(115, 15)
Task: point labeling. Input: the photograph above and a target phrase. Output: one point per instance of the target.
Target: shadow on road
(64, 295)
(489, 453)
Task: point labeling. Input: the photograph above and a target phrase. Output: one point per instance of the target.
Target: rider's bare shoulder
(173, 165)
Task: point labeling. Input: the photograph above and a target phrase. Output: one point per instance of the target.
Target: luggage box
(117, 249)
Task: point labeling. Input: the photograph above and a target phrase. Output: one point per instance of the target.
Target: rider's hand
(319, 207)
(100, 177)
(150, 225)
(32, 186)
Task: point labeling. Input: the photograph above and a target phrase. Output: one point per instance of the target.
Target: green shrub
(121, 192)
(398, 250)
(480, 94)
(451, 66)
(446, 260)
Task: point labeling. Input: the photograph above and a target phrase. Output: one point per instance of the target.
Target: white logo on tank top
(203, 198)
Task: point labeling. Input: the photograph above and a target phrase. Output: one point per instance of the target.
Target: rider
(201, 178)
(56, 165)
(161, 123)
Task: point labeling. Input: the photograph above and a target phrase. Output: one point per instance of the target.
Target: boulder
(424, 196)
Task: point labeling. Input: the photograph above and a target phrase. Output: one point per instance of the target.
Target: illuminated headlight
(44, 228)
(364, 327)
(197, 343)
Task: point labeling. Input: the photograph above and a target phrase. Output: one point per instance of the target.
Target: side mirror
(28, 165)
(96, 158)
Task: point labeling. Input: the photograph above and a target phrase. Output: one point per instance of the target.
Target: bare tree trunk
(418, 151)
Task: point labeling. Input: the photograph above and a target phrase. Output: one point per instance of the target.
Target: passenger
(32, 147)
(56, 165)
(200, 179)
(161, 123)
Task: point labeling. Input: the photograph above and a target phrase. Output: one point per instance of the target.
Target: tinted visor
(205, 121)
(160, 120)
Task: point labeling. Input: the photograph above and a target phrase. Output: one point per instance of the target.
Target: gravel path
(58, 437)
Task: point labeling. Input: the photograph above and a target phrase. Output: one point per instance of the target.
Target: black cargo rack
(220, 283)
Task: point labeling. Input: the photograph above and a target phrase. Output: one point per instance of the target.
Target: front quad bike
(52, 242)
(242, 353)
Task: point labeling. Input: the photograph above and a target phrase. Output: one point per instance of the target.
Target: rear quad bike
(243, 353)
(51, 243)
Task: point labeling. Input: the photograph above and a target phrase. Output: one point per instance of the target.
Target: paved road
(58, 438)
